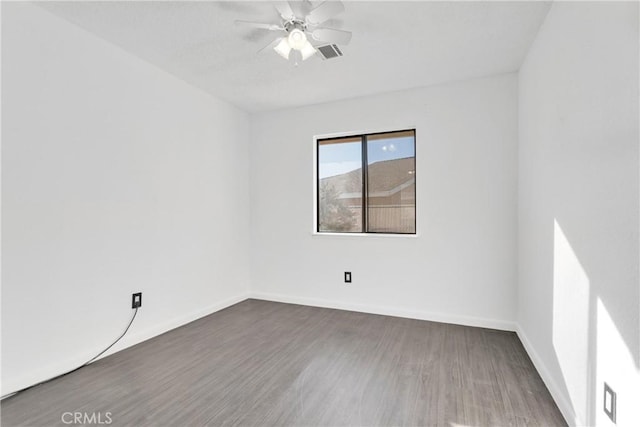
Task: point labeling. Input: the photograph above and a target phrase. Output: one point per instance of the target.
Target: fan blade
(325, 11)
(300, 8)
(270, 27)
(330, 35)
(271, 45)
(284, 9)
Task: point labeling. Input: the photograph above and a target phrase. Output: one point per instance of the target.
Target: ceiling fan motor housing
(295, 24)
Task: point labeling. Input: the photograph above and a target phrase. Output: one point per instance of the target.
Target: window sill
(383, 235)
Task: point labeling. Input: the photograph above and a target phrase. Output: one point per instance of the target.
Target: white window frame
(314, 210)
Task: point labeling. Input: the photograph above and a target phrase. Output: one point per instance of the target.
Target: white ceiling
(396, 45)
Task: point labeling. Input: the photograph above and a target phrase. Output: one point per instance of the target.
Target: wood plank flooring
(262, 363)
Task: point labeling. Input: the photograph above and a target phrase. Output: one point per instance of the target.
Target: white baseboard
(561, 400)
(176, 322)
(389, 311)
(36, 376)
(556, 392)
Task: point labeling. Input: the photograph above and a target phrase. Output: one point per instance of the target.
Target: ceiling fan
(302, 33)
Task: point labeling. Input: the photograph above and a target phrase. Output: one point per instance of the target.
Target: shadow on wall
(578, 188)
(593, 343)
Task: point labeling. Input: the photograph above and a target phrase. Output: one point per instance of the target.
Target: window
(367, 183)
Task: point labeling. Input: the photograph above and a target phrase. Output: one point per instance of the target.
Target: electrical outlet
(136, 300)
(610, 402)
(347, 277)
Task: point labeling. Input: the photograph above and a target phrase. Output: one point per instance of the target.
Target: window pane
(340, 185)
(391, 185)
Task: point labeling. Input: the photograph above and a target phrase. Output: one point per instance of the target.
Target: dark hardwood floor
(261, 363)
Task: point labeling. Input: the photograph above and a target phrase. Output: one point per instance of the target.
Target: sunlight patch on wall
(571, 320)
(615, 365)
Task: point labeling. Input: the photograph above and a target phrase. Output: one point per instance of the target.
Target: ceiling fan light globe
(297, 39)
(307, 51)
(283, 49)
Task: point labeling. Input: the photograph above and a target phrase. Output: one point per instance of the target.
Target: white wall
(117, 178)
(578, 296)
(462, 266)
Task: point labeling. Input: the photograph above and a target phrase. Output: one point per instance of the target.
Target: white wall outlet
(610, 402)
